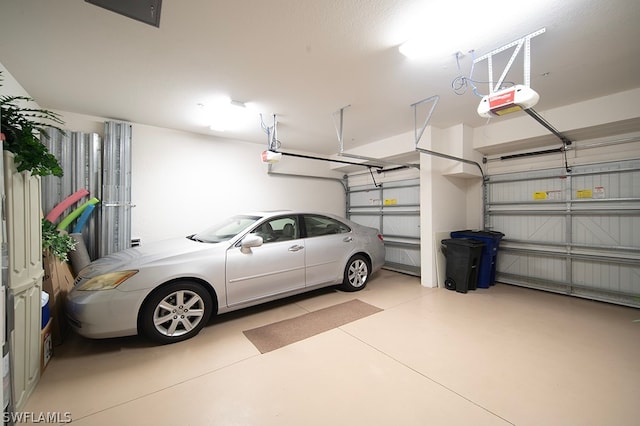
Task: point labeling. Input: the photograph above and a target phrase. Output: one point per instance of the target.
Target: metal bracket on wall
(566, 142)
(302, 176)
(339, 130)
(331, 160)
(273, 144)
(517, 45)
(418, 133)
(526, 41)
(117, 204)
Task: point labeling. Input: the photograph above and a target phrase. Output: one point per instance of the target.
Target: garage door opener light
(501, 101)
(506, 101)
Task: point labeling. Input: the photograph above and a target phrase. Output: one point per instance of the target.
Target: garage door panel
(610, 277)
(522, 191)
(575, 232)
(366, 220)
(546, 228)
(616, 182)
(406, 226)
(367, 198)
(606, 231)
(394, 208)
(542, 267)
(403, 258)
(408, 196)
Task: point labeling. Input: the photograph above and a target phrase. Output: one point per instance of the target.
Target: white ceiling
(305, 59)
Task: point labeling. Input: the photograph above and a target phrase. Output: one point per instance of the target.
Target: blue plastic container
(46, 311)
(488, 260)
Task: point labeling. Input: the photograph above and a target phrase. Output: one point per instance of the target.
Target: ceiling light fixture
(432, 30)
(412, 49)
(223, 113)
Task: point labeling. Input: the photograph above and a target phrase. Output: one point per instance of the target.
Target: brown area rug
(273, 336)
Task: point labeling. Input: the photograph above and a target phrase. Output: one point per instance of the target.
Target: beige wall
(183, 182)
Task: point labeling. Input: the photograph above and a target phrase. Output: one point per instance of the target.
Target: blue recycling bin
(489, 258)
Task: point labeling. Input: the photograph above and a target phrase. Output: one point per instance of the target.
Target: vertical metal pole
(347, 201)
(340, 127)
(53, 187)
(509, 64)
(485, 205)
(90, 177)
(490, 67)
(569, 234)
(527, 62)
(418, 134)
(116, 179)
(381, 220)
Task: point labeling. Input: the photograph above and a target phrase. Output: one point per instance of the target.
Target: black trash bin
(489, 259)
(463, 259)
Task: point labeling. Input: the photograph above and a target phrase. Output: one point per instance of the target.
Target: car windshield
(225, 230)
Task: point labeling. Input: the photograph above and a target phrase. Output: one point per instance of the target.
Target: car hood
(161, 252)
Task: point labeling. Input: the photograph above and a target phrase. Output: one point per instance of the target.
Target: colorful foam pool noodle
(84, 217)
(74, 214)
(53, 215)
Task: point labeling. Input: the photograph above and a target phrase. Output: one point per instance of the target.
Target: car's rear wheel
(356, 274)
(176, 312)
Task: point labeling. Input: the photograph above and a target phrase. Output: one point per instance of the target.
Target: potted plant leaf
(55, 242)
(21, 127)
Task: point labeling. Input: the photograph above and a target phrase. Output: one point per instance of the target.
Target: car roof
(267, 213)
(271, 213)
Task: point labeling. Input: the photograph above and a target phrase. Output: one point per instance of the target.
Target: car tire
(356, 274)
(175, 312)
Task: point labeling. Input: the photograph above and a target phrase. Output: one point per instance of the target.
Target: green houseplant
(55, 242)
(22, 126)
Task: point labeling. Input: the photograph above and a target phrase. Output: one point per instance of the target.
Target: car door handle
(296, 248)
(347, 239)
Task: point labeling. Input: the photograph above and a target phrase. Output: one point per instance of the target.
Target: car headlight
(106, 281)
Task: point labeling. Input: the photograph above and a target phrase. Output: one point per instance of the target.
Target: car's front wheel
(176, 312)
(356, 274)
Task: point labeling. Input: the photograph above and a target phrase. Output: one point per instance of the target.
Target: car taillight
(380, 237)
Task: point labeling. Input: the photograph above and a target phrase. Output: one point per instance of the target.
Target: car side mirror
(251, 240)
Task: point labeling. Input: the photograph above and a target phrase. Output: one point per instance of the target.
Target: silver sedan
(167, 291)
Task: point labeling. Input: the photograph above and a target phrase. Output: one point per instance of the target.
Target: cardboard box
(46, 345)
(58, 281)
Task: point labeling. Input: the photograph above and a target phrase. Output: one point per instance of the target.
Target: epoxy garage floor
(498, 356)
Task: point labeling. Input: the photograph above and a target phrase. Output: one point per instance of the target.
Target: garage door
(575, 232)
(394, 208)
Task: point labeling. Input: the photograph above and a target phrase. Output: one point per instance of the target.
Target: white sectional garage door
(393, 208)
(575, 232)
